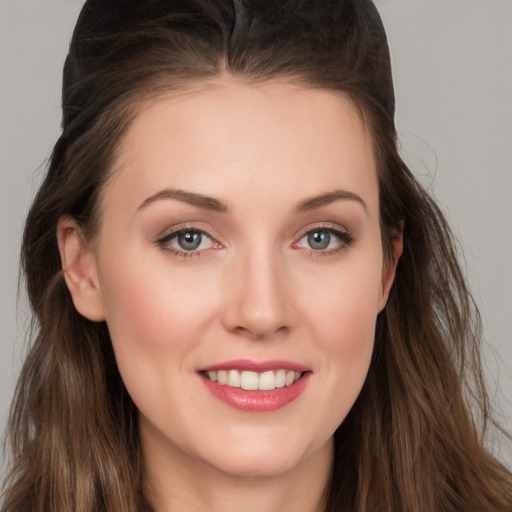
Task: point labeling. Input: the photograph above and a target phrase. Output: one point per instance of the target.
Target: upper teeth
(264, 381)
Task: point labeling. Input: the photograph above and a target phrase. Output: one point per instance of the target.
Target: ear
(389, 267)
(80, 271)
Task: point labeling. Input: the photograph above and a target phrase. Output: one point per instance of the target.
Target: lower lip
(257, 401)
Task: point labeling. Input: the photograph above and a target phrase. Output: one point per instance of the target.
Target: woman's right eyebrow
(193, 198)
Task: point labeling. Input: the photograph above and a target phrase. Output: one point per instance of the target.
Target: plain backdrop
(453, 78)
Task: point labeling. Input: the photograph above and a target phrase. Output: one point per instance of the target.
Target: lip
(256, 401)
(255, 366)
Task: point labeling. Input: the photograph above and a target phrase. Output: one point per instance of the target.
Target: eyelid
(343, 234)
(199, 227)
(163, 241)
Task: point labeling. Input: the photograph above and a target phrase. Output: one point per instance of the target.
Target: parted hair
(415, 438)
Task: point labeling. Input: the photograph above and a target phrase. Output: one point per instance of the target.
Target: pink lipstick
(256, 386)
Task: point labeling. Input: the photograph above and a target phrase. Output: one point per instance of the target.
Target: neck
(175, 482)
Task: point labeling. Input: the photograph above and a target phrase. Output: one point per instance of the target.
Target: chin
(257, 465)
(262, 457)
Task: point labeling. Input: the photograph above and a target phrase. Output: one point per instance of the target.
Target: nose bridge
(258, 304)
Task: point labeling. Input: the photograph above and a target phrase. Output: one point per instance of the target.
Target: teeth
(234, 378)
(267, 381)
(222, 377)
(290, 377)
(252, 381)
(280, 378)
(249, 380)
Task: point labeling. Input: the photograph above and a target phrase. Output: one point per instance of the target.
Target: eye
(319, 240)
(186, 241)
(326, 240)
(189, 240)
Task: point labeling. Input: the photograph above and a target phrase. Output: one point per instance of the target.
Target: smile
(253, 381)
(256, 386)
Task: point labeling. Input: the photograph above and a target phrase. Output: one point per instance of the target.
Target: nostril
(260, 332)
(257, 308)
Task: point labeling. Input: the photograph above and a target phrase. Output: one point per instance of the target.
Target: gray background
(453, 76)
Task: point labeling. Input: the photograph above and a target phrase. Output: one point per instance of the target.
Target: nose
(258, 301)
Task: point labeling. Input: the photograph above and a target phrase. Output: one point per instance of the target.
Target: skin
(255, 289)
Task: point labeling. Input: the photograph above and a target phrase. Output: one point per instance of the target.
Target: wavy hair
(414, 440)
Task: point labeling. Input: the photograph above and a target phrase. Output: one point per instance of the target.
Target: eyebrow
(198, 200)
(315, 202)
(212, 204)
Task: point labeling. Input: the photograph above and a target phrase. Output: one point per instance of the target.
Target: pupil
(189, 241)
(319, 240)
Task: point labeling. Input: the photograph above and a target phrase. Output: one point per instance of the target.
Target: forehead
(223, 139)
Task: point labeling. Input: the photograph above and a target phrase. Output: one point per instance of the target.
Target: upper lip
(255, 366)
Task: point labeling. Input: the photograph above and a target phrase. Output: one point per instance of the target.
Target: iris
(319, 240)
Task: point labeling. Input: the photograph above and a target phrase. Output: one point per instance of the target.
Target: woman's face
(239, 236)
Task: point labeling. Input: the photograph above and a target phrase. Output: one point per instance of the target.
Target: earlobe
(389, 268)
(80, 271)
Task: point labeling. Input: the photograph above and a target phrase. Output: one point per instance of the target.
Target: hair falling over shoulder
(415, 438)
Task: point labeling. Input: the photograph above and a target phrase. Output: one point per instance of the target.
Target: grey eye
(189, 240)
(319, 240)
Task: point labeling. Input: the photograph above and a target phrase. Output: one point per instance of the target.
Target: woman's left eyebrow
(312, 203)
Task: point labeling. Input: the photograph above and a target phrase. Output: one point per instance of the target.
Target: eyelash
(345, 240)
(344, 237)
(164, 243)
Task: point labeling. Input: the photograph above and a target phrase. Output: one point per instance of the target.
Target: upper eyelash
(183, 229)
(163, 241)
(346, 238)
(343, 235)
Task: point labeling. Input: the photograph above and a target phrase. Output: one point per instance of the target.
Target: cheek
(345, 305)
(155, 319)
(152, 306)
(342, 317)
(339, 307)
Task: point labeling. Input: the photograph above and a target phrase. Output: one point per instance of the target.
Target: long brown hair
(414, 440)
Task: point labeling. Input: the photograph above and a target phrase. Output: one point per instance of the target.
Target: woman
(245, 299)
